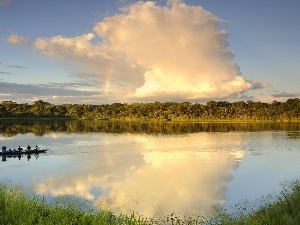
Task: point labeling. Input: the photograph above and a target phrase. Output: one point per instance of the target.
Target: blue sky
(109, 51)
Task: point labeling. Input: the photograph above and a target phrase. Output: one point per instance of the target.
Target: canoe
(34, 151)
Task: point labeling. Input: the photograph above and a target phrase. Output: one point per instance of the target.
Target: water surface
(153, 167)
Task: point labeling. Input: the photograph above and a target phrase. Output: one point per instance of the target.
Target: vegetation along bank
(288, 111)
(17, 208)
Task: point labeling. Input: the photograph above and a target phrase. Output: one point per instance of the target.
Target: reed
(282, 208)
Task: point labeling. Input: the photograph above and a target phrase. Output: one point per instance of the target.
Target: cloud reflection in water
(156, 174)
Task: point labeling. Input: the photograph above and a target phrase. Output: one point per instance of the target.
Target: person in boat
(37, 148)
(3, 149)
(20, 149)
(28, 147)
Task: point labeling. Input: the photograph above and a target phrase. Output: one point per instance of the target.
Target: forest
(288, 111)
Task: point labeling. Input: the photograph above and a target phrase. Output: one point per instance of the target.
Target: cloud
(99, 60)
(4, 2)
(18, 67)
(149, 52)
(3, 72)
(17, 40)
(278, 96)
(63, 46)
(286, 95)
(39, 90)
(72, 92)
(182, 47)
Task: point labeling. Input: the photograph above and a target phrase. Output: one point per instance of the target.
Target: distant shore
(212, 111)
(156, 120)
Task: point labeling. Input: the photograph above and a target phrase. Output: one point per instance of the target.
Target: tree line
(168, 111)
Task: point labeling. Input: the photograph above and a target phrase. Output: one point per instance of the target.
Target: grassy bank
(17, 208)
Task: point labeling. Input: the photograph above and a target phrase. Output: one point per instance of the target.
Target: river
(152, 168)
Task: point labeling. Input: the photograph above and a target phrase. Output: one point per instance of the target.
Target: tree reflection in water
(10, 128)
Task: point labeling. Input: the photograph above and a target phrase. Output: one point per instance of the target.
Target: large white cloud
(99, 60)
(152, 52)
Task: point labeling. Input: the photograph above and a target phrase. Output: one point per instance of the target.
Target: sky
(102, 52)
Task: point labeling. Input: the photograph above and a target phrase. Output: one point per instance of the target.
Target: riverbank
(17, 208)
(154, 120)
(167, 111)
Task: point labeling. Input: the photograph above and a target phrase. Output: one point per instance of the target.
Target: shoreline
(153, 120)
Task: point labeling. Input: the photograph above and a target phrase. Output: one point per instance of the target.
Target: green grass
(16, 208)
(281, 209)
